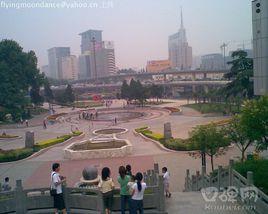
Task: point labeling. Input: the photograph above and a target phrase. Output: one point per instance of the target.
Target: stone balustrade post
(250, 178)
(20, 198)
(203, 172)
(66, 193)
(161, 200)
(231, 164)
(156, 168)
(219, 177)
(187, 185)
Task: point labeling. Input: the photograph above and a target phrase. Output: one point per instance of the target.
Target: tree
(209, 140)
(240, 74)
(18, 73)
(48, 93)
(237, 134)
(68, 95)
(125, 90)
(156, 91)
(254, 119)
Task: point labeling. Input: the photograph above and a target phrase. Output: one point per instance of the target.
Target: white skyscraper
(180, 53)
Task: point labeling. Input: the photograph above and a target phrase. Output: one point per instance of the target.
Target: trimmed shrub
(15, 154)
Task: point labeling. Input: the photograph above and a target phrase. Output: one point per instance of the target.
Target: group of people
(132, 188)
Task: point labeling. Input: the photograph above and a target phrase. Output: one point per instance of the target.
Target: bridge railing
(222, 178)
(80, 200)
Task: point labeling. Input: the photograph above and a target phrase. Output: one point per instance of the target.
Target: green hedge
(15, 154)
(259, 169)
(176, 144)
(18, 154)
(50, 142)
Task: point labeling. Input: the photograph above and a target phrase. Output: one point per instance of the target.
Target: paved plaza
(35, 171)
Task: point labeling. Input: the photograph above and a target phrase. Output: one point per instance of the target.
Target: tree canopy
(240, 75)
(20, 80)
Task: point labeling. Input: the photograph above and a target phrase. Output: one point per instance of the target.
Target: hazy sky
(139, 28)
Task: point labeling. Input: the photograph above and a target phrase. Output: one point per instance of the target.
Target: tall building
(55, 56)
(70, 68)
(260, 46)
(180, 53)
(87, 39)
(84, 66)
(212, 62)
(97, 58)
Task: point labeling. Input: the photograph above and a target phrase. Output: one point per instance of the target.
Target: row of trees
(249, 128)
(136, 91)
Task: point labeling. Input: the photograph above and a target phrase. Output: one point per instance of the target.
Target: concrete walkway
(194, 203)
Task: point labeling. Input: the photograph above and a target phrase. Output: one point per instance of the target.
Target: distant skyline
(139, 28)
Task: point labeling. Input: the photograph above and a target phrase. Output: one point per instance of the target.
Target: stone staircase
(193, 203)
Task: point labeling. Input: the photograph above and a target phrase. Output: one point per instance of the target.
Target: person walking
(27, 123)
(106, 186)
(56, 183)
(137, 195)
(44, 124)
(123, 179)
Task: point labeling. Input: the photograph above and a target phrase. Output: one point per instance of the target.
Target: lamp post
(94, 54)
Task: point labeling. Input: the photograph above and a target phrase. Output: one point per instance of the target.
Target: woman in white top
(137, 195)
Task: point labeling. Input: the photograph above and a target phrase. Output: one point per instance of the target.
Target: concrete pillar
(20, 198)
(250, 178)
(167, 131)
(161, 200)
(231, 163)
(219, 177)
(156, 168)
(29, 139)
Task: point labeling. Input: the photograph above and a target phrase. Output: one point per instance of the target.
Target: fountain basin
(103, 149)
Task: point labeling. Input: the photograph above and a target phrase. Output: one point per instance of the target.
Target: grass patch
(206, 108)
(50, 142)
(18, 154)
(176, 144)
(101, 145)
(259, 169)
(54, 116)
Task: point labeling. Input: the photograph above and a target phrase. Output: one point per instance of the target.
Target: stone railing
(224, 178)
(80, 200)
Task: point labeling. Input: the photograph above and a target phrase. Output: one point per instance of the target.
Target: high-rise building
(260, 46)
(70, 68)
(97, 58)
(55, 56)
(180, 53)
(84, 66)
(87, 39)
(212, 62)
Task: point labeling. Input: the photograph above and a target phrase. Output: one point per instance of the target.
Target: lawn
(206, 108)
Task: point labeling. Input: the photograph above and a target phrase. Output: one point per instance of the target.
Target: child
(128, 170)
(130, 184)
(106, 186)
(6, 186)
(166, 178)
(137, 194)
